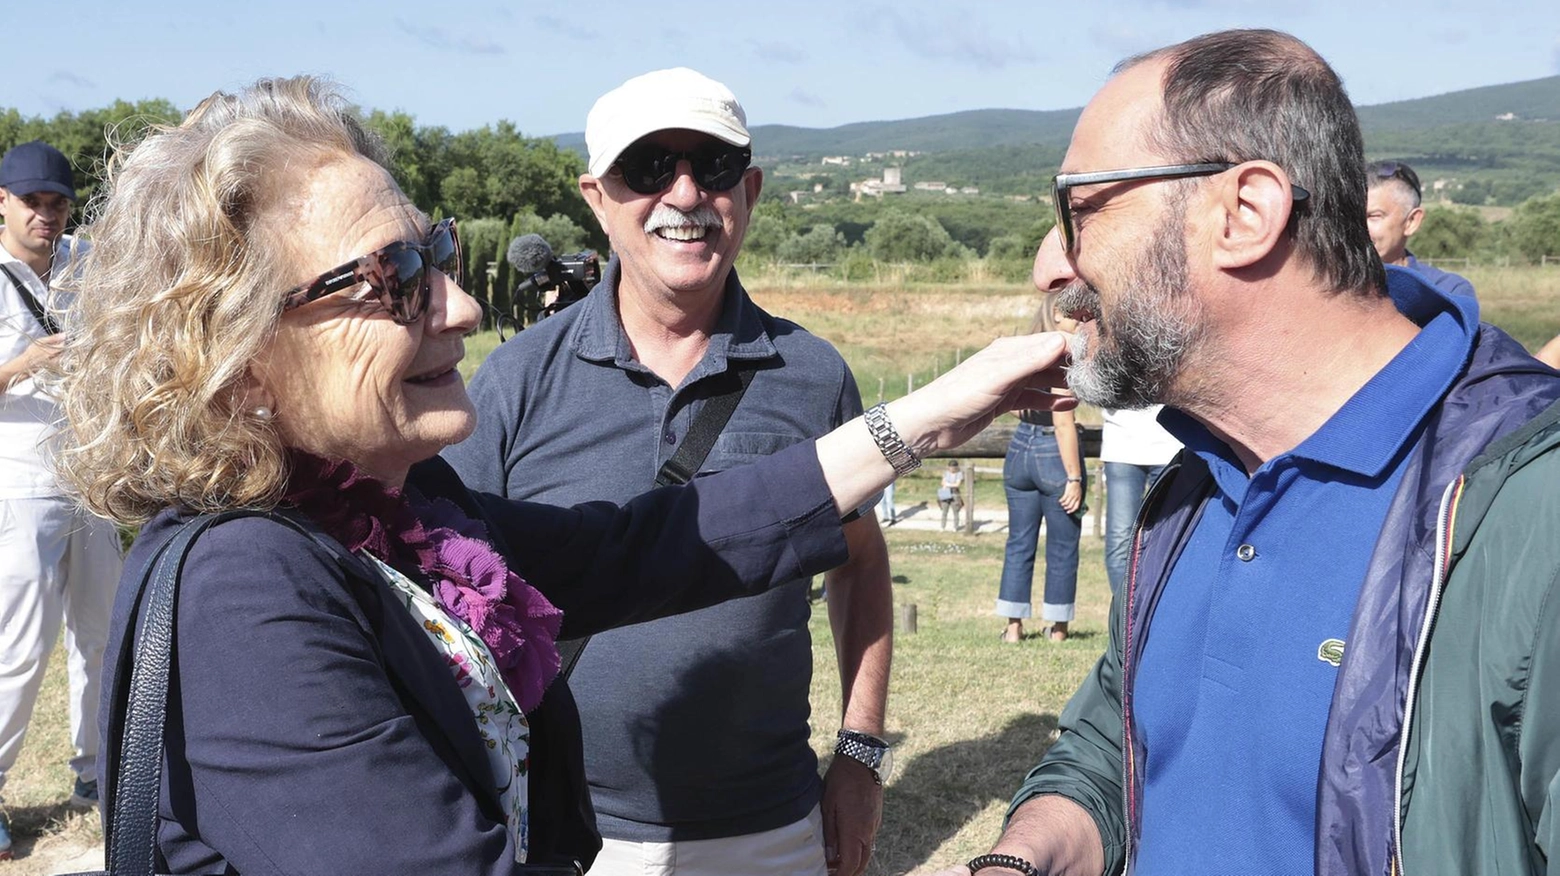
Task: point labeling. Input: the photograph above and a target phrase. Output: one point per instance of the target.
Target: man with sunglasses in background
(696, 727)
(1337, 650)
(1393, 214)
(56, 562)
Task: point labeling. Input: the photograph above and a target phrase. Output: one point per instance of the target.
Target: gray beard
(1146, 336)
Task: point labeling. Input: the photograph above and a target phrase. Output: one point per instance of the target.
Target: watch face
(885, 767)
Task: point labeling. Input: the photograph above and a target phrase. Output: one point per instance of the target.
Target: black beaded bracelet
(1011, 862)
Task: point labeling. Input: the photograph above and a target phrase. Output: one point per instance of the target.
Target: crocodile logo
(1330, 651)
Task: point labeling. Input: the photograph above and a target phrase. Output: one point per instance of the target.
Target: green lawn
(969, 714)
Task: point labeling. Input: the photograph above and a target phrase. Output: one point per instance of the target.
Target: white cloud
(806, 98)
(436, 38)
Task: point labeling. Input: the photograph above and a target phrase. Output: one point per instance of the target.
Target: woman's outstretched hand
(1024, 372)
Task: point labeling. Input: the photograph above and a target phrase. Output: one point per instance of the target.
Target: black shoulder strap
(38, 311)
(706, 427)
(681, 468)
(138, 702)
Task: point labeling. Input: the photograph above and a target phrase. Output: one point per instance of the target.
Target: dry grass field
(970, 715)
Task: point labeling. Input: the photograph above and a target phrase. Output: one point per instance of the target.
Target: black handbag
(138, 709)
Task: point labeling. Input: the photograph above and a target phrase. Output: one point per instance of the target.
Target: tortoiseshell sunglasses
(397, 273)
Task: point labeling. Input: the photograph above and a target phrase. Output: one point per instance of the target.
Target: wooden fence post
(969, 505)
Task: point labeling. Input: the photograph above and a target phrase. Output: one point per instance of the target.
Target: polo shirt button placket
(670, 436)
(1246, 553)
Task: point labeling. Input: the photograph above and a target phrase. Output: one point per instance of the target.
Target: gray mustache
(667, 216)
(1078, 297)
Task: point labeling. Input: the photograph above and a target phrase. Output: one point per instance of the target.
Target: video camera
(549, 283)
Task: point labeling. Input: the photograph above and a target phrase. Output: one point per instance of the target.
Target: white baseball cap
(678, 98)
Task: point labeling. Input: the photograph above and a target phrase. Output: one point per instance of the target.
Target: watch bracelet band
(860, 747)
(886, 437)
(866, 739)
(1011, 862)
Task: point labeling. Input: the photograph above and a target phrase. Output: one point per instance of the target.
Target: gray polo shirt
(695, 726)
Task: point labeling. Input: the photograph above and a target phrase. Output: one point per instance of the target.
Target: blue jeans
(1125, 484)
(1033, 478)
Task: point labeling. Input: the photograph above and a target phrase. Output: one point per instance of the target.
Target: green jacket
(1479, 787)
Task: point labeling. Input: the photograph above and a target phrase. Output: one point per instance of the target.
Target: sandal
(1049, 632)
(1014, 641)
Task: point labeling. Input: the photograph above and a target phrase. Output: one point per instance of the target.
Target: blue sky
(816, 63)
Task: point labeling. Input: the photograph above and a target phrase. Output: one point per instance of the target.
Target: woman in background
(1043, 476)
(950, 493)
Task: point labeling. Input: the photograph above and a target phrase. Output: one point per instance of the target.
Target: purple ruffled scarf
(435, 537)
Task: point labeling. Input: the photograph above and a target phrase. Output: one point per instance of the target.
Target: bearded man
(1337, 650)
(696, 727)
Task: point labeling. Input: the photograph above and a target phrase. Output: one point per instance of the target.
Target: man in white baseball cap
(696, 727)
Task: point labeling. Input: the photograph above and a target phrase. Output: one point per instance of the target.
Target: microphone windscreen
(529, 253)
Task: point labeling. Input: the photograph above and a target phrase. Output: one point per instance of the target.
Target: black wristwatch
(868, 750)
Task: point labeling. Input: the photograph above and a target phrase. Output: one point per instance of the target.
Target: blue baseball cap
(37, 167)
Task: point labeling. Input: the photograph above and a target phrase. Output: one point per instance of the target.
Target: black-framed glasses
(1063, 183)
(648, 168)
(398, 274)
(1399, 171)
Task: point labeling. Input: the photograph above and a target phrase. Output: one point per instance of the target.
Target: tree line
(503, 184)
(500, 182)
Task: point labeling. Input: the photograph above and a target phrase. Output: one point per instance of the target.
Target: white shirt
(27, 413)
(1136, 438)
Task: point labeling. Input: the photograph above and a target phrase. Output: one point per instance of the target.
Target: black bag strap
(680, 469)
(701, 436)
(32, 302)
(139, 707)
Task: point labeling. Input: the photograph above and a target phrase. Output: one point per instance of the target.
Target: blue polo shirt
(1446, 281)
(1235, 682)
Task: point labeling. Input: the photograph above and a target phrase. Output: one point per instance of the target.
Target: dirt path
(53, 839)
(48, 855)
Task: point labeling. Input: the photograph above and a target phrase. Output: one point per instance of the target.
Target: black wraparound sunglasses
(648, 168)
(398, 274)
(1063, 183)
(1399, 171)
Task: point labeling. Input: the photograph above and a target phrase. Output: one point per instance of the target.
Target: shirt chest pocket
(740, 448)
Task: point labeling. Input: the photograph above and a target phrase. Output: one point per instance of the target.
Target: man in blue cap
(56, 563)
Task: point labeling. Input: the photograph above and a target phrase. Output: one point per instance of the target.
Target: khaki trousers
(793, 850)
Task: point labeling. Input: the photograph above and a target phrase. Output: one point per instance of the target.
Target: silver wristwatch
(893, 447)
(868, 750)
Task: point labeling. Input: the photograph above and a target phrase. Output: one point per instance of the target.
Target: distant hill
(1537, 99)
(962, 130)
(1497, 144)
(1533, 100)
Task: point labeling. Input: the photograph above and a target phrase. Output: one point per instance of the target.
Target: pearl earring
(263, 413)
